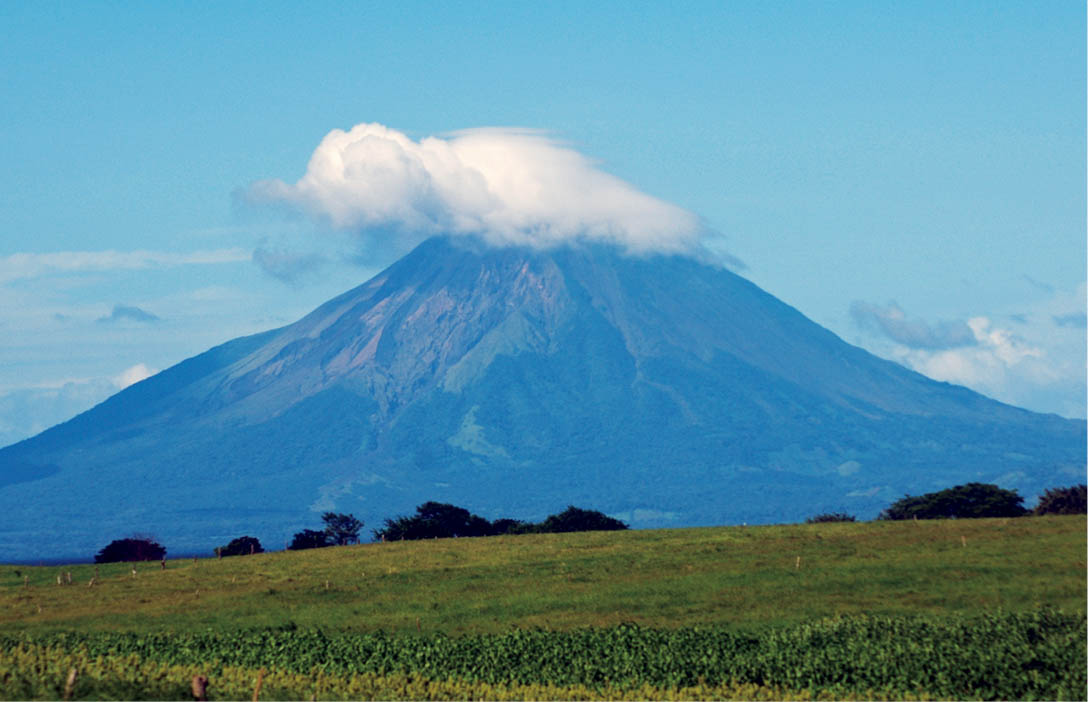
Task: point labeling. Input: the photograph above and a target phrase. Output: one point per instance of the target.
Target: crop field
(967, 609)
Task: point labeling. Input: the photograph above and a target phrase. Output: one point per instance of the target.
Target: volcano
(662, 390)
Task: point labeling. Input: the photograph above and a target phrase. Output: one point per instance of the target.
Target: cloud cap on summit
(510, 186)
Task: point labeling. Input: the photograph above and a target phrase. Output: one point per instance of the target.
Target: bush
(510, 526)
(438, 520)
(969, 501)
(831, 517)
(434, 520)
(242, 546)
(130, 550)
(308, 538)
(1069, 500)
(576, 519)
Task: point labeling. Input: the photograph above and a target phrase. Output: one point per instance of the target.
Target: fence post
(257, 689)
(200, 688)
(68, 686)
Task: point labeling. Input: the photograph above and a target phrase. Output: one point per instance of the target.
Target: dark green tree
(831, 517)
(510, 526)
(242, 546)
(341, 529)
(1067, 500)
(434, 520)
(969, 501)
(576, 519)
(130, 550)
(309, 538)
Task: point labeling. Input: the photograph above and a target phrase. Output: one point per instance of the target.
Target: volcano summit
(515, 381)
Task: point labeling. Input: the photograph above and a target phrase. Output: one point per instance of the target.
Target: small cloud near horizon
(1077, 320)
(1031, 358)
(129, 313)
(287, 266)
(132, 375)
(890, 321)
(20, 266)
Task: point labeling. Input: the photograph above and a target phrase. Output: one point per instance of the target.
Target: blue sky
(910, 175)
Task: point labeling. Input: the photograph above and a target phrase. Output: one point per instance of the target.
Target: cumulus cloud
(33, 265)
(123, 313)
(509, 186)
(132, 375)
(892, 322)
(1033, 358)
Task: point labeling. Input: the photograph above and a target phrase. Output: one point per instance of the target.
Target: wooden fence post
(257, 689)
(200, 688)
(70, 684)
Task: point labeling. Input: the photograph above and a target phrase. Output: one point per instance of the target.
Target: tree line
(432, 520)
(974, 501)
(440, 520)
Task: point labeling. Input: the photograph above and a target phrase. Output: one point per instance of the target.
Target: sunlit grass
(665, 578)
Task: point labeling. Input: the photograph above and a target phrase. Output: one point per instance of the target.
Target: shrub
(510, 526)
(831, 517)
(968, 501)
(132, 549)
(576, 519)
(308, 538)
(242, 546)
(1068, 500)
(434, 520)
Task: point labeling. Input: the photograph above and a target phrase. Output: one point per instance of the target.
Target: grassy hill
(746, 577)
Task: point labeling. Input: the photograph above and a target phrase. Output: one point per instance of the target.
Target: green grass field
(665, 578)
(970, 586)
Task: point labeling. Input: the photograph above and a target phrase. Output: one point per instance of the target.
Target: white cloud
(132, 375)
(510, 186)
(1030, 358)
(33, 265)
(33, 408)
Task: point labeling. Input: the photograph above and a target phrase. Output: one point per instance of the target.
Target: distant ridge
(512, 381)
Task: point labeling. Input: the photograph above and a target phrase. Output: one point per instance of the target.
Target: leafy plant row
(1036, 655)
(38, 672)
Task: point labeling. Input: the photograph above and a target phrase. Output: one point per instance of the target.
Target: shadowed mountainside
(658, 389)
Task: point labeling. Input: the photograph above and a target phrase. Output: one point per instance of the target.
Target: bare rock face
(514, 382)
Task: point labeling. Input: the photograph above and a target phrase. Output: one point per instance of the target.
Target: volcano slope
(513, 381)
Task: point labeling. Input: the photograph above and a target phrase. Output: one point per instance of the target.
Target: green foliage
(1000, 655)
(307, 539)
(510, 526)
(831, 517)
(341, 529)
(1069, 500)
(434, 520)
(242, 546)
(576, 519)
(969, 501)
(133, 549)
(439, 520)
